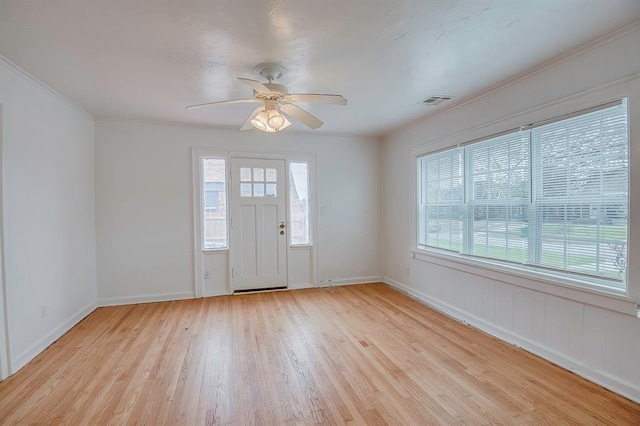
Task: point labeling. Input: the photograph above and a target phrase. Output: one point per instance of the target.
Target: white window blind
(440, 206)
(498, 193)
(581, 193)
(554, 196)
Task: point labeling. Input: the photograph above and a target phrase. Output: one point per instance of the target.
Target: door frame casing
(199, 153)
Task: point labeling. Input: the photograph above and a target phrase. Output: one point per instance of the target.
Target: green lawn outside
(583, 230)
(519, 255)
(572, 230)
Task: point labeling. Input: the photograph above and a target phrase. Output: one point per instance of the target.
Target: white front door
(258, 224)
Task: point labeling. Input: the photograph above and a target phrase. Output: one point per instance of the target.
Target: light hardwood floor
(362, 354)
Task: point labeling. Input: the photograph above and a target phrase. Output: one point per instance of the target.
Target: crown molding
(526, 112)
(40, 85)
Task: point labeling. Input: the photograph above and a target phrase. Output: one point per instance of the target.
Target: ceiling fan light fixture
(270, 121)
(276, 120)
(260, 121)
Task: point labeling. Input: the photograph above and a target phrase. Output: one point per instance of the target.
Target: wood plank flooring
(362, 354)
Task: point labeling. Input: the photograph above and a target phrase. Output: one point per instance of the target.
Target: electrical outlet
(45, 311)
(206, 275)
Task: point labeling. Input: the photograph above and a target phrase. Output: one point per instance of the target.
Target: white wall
(48, 208)
(144, 205)
(599, 343)
(4, 348)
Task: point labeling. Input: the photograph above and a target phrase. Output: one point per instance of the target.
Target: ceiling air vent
(435, 100)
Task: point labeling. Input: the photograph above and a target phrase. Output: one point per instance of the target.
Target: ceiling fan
(277, 101)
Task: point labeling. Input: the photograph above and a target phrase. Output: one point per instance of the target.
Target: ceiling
(148, 59)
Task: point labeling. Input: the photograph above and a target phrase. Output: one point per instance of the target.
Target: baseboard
(350, 281)
(300, 286)
(297, 287)
(35, 349)
(603, 379)
(215, 294)
(167, 297)
(148, 298)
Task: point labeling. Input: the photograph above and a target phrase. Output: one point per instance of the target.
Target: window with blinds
(498, 192)
(441, 198)
(581, 190)
(553, 195)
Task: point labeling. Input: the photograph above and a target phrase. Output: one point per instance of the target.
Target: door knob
(282, 225)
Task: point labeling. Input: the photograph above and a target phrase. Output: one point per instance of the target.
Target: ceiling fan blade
(247, 123)
(316, 98)
(301, 115)
(255, 85)
(235, 101)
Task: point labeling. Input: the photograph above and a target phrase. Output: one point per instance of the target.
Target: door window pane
(258, 189)
(245, 174)
(245, 190)
(271, 175)
(272, 190)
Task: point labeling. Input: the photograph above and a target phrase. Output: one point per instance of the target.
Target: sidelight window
(214, 200)
(299, 203)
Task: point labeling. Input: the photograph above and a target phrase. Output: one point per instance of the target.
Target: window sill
(301, 247)
(568, 288)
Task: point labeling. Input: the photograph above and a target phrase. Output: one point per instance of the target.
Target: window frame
(201, 193)
(568, 286)
(471, 201)
(540, 200)
(423, 194)
(310, 201)
(467, 150)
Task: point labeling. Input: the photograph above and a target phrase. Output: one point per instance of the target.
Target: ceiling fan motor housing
(270, 105)
(276, 89)
(270, 71)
